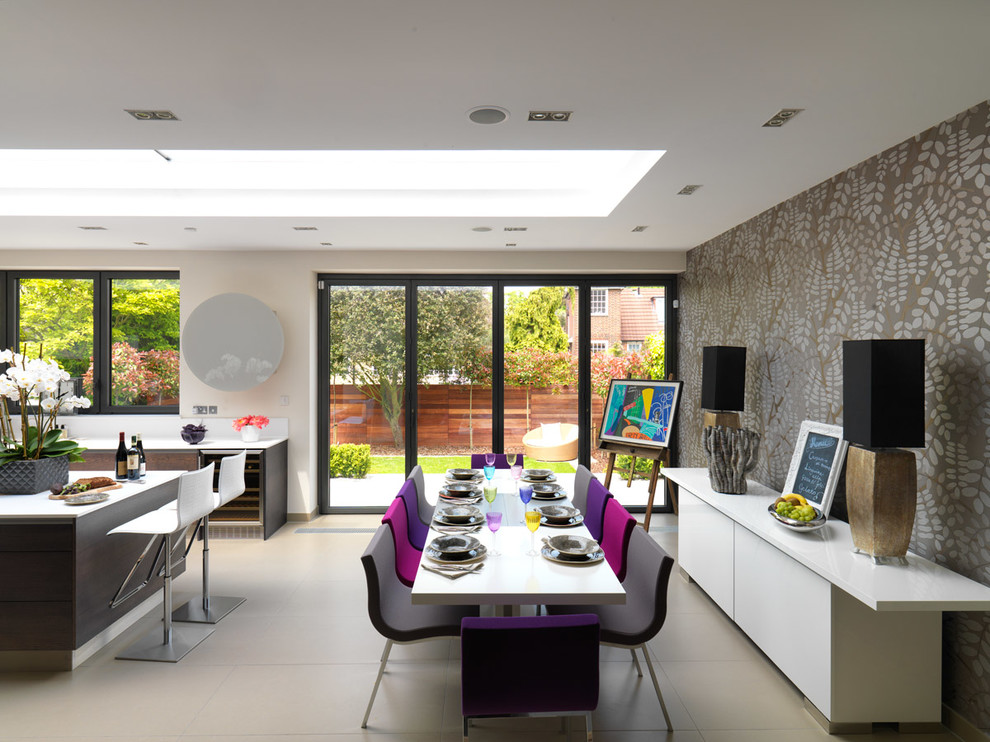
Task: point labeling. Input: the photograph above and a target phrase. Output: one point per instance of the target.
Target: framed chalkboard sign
(816, 464)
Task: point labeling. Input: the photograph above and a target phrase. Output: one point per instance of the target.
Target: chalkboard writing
(813, 472)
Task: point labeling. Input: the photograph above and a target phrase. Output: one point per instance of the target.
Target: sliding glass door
(429, 370)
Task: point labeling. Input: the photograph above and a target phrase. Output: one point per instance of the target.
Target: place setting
(572, 550)
(461, 491)
(559, 516)
(473, 476)
(457, 519)
(536, 476)
(454, 555)
(543, 490)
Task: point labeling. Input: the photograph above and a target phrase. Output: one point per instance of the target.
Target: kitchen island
(59, 572)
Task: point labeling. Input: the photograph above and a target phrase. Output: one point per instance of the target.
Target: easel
(659, 456)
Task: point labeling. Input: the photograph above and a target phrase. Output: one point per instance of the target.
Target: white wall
(286, 281)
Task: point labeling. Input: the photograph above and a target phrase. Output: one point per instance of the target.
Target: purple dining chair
(641, 617)
(496, 651)
(478, 461)
(391, 610)
(617, 527)
(594, 516)
(406, 555)
(418, 530)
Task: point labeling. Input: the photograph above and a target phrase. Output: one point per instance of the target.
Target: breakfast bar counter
(59, 572)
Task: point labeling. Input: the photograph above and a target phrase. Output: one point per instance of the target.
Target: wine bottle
(142, 460)
(121, 472)
(133, 460)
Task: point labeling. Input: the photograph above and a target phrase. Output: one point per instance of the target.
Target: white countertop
(515, 578)
(220, 442)
(39, 506)
(828, 551)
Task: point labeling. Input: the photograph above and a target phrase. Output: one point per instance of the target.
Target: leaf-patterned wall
(896, 247)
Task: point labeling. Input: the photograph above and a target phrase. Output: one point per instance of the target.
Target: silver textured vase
(732, 454)
(31, 476)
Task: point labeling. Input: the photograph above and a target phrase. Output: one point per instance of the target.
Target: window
(599, 346)
(599, 301)
(117, 334)
(634, 347)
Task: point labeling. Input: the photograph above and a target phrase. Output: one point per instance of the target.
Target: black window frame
(102, 341)
(411, 282)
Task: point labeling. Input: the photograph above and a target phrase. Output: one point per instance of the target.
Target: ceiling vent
(550, 115)
(641, 228)
(515, 229)
(510, 244)
(782, 117)
(327, 244)
(688, 190)
(93, 229)
(139, 243)
(144, 115)
(305, 229)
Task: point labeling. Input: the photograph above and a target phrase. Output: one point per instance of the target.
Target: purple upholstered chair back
(406, 555)
(496, 651)
(617, 529)
(594, 515)
(478, 460)
(418, 530)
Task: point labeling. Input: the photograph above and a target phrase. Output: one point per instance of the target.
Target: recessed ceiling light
(93, 229)
(148, 115)
(305, 229)
(641, 228)
(139, 243)
(515, 229)
(481, 229)
(301, 186)
(327, 244)
(190, 229)
(488, 115)
(550, 115)
(510, 244)
(782, 117)
(688, 190)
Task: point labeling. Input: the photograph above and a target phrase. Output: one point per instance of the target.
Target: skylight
(355, 183)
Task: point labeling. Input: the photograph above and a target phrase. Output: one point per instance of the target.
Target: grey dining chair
(391, 609)
(582, 478)
(641, 617)
(423, 508)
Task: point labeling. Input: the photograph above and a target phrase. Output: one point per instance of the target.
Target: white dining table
(514, 578)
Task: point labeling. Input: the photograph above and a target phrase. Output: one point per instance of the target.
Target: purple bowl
(193, 436)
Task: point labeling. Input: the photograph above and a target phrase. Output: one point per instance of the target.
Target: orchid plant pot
(31, 476)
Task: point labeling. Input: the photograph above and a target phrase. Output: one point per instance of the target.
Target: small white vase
(250, 433)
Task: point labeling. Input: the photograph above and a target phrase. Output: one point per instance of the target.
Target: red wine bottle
(133, 460)
(121, 472)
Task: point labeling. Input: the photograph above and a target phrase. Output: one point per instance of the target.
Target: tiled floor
(296, 663)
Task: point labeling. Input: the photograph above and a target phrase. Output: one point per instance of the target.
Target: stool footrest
(151, 648)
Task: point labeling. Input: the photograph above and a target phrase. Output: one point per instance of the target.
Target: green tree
(145, 313)
(536, 320)
(654, 356)
(367, 340)
(58, 314)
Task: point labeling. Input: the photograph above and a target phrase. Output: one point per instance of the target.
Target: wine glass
(494, 520)
(491, 491)
(510, 459)
(516, 470)
(489, 459)
(489, 467)
(525, 494)
(532, 523)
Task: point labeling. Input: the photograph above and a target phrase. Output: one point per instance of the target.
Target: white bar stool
(194, 501)
(212, 608)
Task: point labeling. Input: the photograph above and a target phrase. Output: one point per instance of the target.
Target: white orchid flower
(49, 403)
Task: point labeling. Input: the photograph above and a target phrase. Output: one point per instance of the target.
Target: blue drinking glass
(489, 472)
(525, 494)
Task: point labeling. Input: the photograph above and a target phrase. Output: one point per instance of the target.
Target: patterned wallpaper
(896, 247)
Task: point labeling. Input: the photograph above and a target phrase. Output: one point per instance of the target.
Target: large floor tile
(702, 636)
(737, 695)
(323, 699)
(627, 701)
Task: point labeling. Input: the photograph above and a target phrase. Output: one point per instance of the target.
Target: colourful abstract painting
(640, 412)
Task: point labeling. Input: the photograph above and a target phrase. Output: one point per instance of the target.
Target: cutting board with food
(84, 486)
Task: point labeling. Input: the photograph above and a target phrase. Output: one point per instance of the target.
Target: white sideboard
(863, 642)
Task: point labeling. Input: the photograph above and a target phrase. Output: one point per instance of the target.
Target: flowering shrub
(605, 367)
(139, 377)
(258, 421)
(34, 384)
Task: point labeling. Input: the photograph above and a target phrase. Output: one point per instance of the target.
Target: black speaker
(883, 393)
(723, 378)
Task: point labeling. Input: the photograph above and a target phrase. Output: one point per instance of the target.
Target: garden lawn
(440, 464)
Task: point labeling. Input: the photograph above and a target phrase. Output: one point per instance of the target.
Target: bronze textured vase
(732, 454)
(881, 497)
(30, 476)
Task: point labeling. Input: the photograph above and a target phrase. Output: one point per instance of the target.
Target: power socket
(199, 409)
(213, 409)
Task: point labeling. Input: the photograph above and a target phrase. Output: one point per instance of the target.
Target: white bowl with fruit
(796, 513)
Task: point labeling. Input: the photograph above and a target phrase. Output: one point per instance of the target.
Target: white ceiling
(694, 77)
